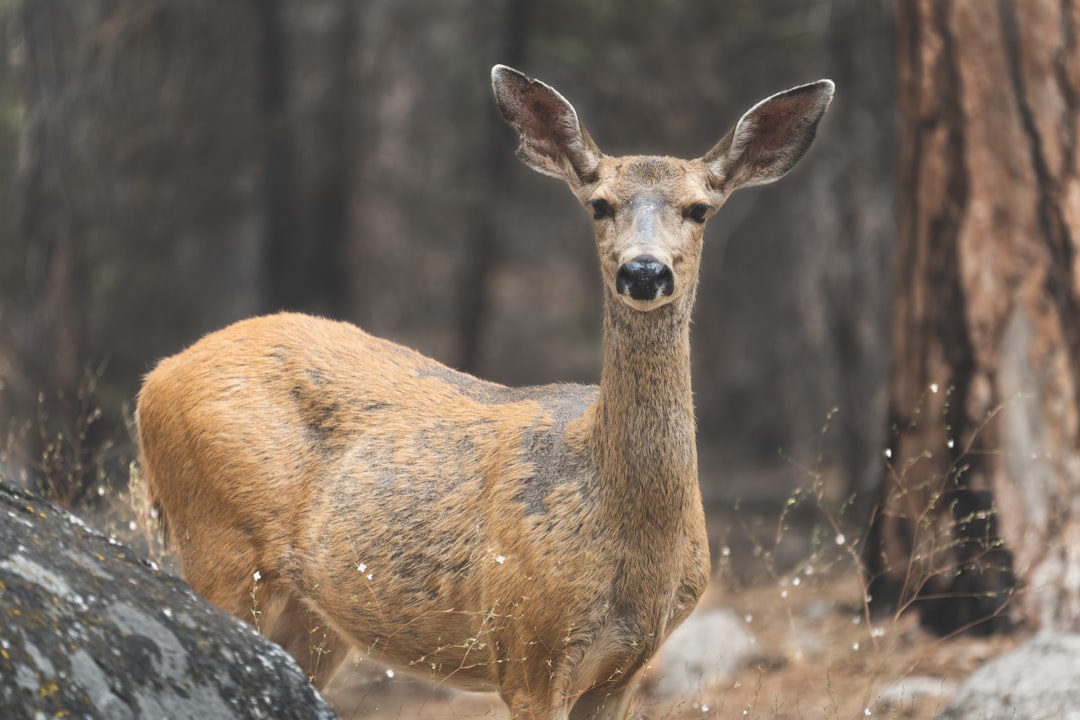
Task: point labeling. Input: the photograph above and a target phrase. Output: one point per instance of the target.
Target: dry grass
(820, 658)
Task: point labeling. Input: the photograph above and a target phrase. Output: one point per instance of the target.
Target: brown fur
(541, 542)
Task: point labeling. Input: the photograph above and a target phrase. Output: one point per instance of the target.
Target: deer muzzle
(645, 278)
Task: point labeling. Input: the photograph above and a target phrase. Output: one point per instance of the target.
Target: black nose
(644, 278)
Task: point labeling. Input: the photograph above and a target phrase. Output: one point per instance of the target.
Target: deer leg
(317, 648)
(605, 703)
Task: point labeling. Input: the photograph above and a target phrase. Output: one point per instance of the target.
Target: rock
(710, 645)
(87, 629)
(1039, 680)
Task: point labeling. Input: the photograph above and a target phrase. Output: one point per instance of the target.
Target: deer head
(649, 212)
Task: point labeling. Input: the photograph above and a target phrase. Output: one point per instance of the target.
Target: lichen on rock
(88, 629)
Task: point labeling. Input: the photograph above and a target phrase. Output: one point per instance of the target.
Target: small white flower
(389, 673)
(840, 539)
(361, 567)
(500, 559)
(257, 576)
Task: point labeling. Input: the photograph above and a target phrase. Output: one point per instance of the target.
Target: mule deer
(340, 491)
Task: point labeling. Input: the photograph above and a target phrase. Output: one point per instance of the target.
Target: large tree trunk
(979, 525)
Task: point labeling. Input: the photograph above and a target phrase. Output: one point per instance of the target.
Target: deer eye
(698, 213)
(600, 209)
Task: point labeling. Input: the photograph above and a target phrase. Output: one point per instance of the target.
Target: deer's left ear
(770, 138)
(553, 141)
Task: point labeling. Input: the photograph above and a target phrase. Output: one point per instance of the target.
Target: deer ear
(553, 141)
(770, 138)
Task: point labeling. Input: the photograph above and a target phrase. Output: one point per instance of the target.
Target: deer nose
(644, 278)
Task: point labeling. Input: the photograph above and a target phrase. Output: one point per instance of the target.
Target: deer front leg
(605, 703)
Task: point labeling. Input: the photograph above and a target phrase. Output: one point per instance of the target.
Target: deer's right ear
(553, 141)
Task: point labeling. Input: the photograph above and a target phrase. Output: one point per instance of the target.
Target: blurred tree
(50, 222)
(288, 285)
(309, 154)
(482, 250)
(42, 336)
(983, 490)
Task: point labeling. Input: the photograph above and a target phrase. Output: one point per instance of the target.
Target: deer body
(540, 542)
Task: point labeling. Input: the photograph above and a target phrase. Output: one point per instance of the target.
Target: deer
(341, 492)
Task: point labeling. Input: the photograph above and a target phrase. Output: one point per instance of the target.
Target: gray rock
(1039, 680)
(89, 630)
(710, 645)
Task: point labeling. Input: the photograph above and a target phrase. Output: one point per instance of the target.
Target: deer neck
(644, 431)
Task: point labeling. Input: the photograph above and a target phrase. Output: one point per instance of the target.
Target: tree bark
(284, 267)
(327, 225)
(481, 253)
(48, 219)
(46, 349)
(979, 523)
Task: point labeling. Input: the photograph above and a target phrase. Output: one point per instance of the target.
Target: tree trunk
(47, 349)
(327, 226)
(48, 219)
(283, 265)
(481, 253)
(979, 523)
